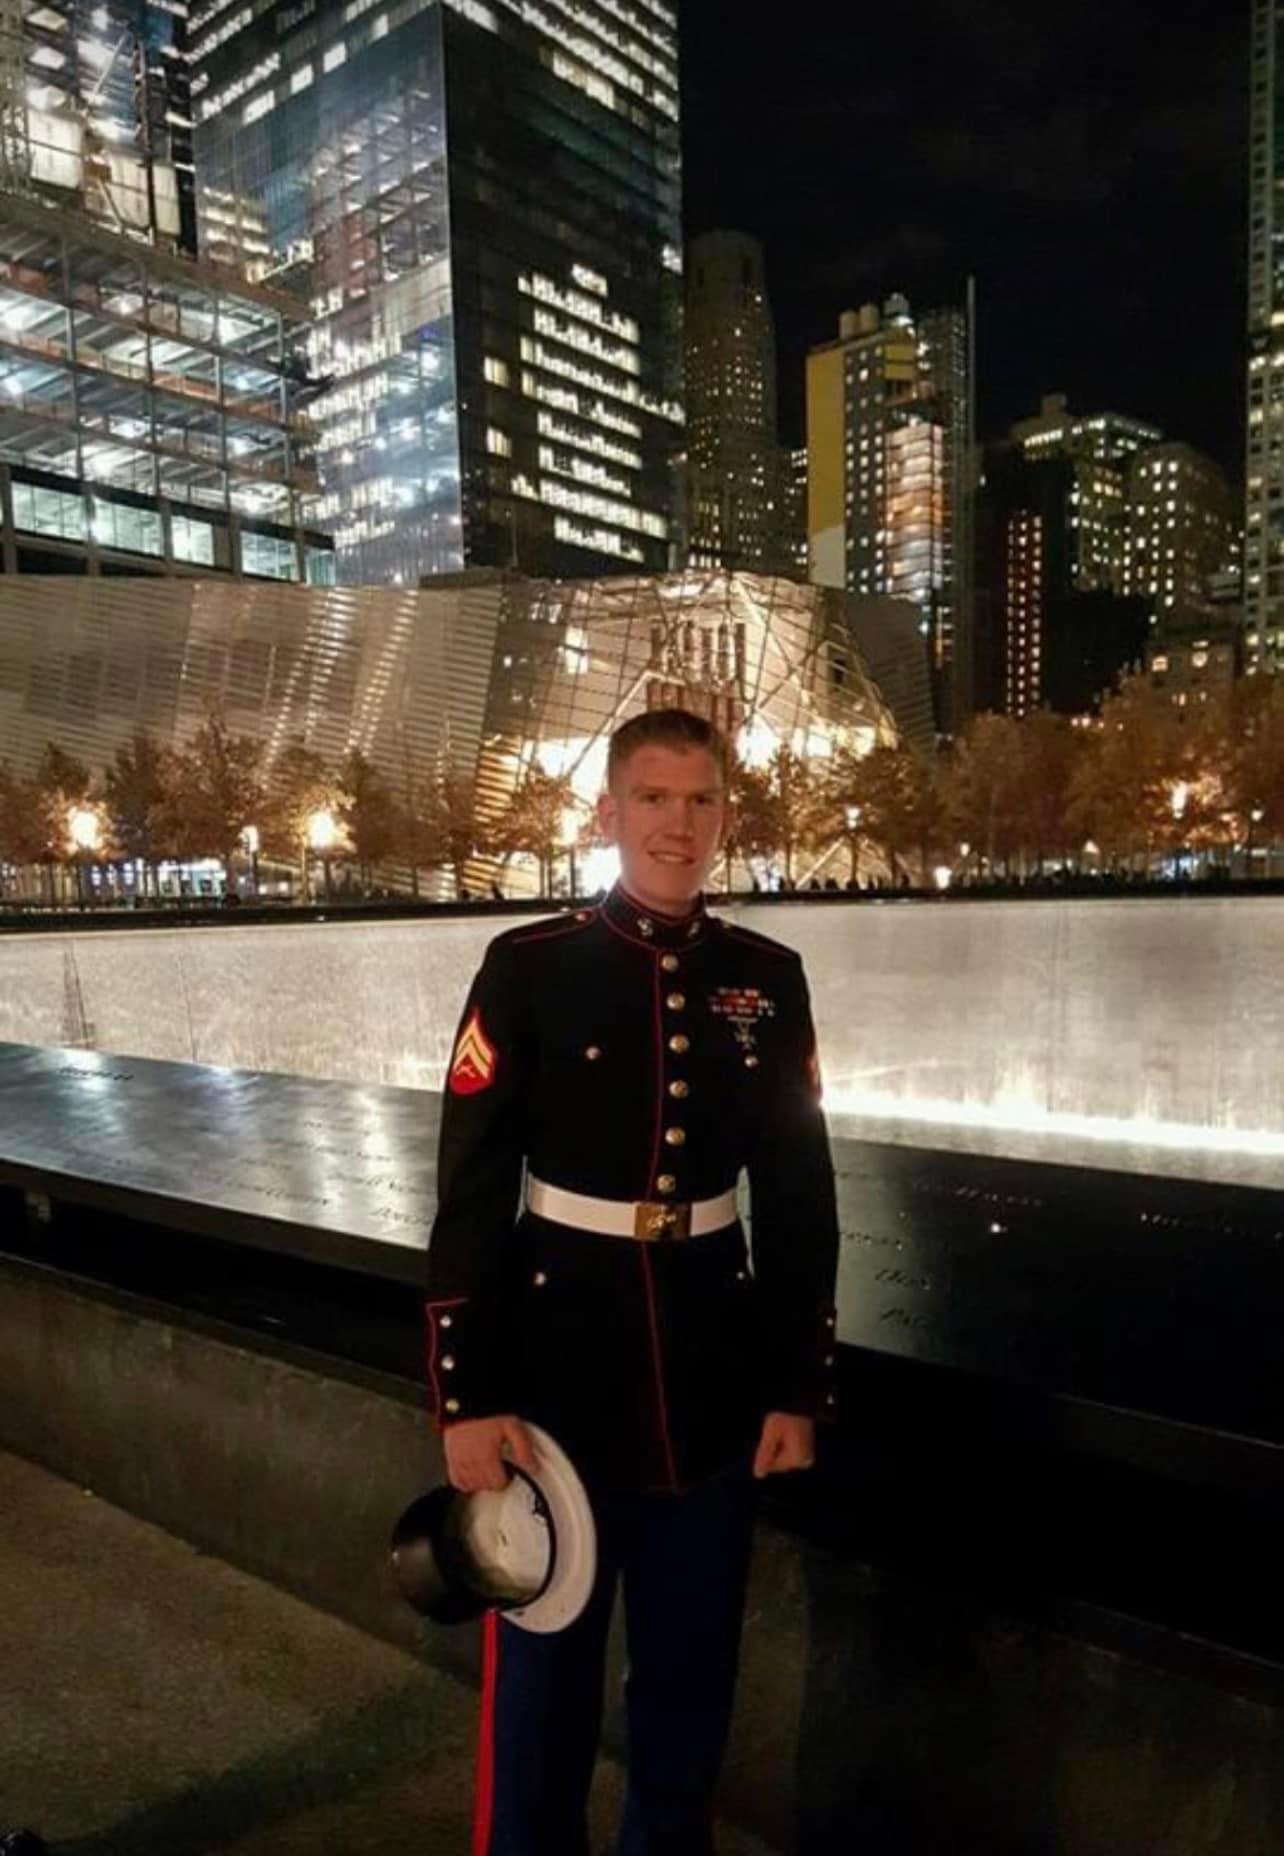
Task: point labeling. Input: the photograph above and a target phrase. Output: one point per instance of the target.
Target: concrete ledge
(874, 1712)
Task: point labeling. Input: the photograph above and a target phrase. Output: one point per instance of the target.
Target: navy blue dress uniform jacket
(626, 1056)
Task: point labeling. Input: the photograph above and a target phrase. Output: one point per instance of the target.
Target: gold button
(829, 1359)
(676, 1001)
(452, 1404)
(666, 1183)
(680, 1044)
(644, 926)
(448, 1363)
(593, 1053)
(447, 1321)
(829, 1321)
(675, 1136)
(670, 963)
(679, 1089)
(539, 1279)
(751, 1063)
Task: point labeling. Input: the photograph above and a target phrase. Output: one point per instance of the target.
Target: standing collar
(647, 928)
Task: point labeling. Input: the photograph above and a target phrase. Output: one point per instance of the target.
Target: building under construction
(148, 402)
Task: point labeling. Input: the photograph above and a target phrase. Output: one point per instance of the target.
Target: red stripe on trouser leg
(484, 1808)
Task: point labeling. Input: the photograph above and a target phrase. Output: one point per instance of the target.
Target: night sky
(1087, 162)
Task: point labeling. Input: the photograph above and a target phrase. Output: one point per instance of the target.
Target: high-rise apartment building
(1100, 449)
(789, 551)
(1179, 529)
(889, 442)
(482, 201)
(1044, 638)
(1264, 465)
(731, 405)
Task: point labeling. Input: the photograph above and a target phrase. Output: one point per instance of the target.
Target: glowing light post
(854, 817)
(323, 835)
(1255, 817)
(1180, 796)
(85, 839)
(250, 845)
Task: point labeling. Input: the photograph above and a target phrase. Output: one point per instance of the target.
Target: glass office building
(148, 416)
(481, 201)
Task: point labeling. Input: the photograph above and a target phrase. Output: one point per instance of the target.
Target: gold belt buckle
(661, 1224)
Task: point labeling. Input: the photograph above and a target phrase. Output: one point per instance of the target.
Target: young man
(633, 1058)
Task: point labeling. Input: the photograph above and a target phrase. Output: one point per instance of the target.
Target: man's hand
(787, 1442)
(476, 1452)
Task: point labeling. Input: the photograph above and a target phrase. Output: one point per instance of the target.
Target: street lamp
(1255, 817)
(85, 839)
(84, 829)
(1178, 800)
(323, 835)
(854, 816)
(570, 835)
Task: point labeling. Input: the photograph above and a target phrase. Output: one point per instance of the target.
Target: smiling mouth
(670, 857)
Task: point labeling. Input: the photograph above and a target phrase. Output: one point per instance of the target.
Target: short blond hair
(667, 728)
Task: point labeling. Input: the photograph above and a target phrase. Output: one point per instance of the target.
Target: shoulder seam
(546, 931)
(763, 941)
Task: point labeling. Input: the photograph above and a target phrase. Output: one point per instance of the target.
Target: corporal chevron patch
(472, 1067)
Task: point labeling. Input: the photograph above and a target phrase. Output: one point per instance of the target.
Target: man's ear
(606, 816)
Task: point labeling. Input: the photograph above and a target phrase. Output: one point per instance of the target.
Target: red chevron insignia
(472, 1068)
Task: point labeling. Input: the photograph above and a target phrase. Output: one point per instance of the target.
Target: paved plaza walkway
(156, 1702)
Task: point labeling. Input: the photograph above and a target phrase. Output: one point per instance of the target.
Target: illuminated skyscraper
(890, 443)
(482, 201)
(1100, 448)
(1179, 530)
(731, 404)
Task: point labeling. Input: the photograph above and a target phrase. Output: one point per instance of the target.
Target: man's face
(667, 812)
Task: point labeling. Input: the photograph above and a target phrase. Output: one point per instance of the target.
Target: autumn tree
(301, 791)
(783, 808)
(456, 834)
(368, 813)
(1049, 754)
(1255, 760)
(532, 823)
(24, 824)
(986, 777)
(893, 797)
(215, 789)
(1121, 792)
(136, 800)
(64, 786)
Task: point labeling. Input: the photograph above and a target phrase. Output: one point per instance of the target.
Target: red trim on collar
(671, 934)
